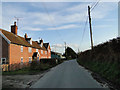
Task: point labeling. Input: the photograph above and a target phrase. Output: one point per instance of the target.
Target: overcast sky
(59, 22)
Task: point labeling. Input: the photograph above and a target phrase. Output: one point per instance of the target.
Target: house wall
(4, 49)
(49, 52)
(16, 54)
(0, 47)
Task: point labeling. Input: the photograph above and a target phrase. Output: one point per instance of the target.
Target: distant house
(56, 55)
(16, 49)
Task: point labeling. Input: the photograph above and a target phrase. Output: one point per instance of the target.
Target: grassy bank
(104, 59)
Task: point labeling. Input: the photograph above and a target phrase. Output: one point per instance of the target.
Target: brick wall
(5, 50)
(16, 54)
(0, 47)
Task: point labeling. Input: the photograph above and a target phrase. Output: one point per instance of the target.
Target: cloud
(41, 20)
(64, 27)
(58, 46)
(33, 29)
(59, 1)
(61, 47)
(73, 45)
(102, 26)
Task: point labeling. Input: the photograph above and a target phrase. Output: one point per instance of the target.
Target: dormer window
(40, 45)
(31, 41)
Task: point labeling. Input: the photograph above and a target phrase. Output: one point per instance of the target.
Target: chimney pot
(15, 23)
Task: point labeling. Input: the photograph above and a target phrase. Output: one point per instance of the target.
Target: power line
(92, 8)
(93, 4)
(53, 24)
(52, 21)
(84, 29)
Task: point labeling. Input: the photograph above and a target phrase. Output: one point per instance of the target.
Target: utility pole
(65, 50)
(78, 50)
(90, 27)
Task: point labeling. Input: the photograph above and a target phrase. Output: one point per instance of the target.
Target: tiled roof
(15, 39)
(55, 52)
(46, 45)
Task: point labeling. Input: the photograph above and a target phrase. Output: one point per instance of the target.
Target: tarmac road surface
(67, 75)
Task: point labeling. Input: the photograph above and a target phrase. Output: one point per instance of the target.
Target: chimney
(25, 36)
(14, 28)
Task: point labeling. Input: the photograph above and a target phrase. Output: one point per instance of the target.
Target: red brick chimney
(14, 28)
(25, 35)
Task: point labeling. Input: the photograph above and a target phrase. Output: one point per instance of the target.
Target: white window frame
(36, 50)
(2, 60)
(41, 51)
(45, 52)
(29, 49)
(30, 60)
(21, 59)
(21, 48)
(31, 42)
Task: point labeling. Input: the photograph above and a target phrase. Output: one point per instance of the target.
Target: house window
(49, 51)
(21, 59)
(31, 42)
(45, 52)
(30, 49)
(38, 58)
(36, 50)
(21, 48)
(30, 59)
(41, 51)
(3, 60)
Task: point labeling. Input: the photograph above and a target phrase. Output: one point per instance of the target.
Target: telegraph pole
(65, 50)
(90, 27)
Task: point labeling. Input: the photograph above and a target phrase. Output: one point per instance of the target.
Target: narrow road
(67, 75)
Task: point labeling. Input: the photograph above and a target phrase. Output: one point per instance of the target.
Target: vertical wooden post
(90, 27)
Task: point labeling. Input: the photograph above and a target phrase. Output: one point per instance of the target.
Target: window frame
(36, 50)
(41, 51)
(2, 60)
(21, 48)
(30, 60)
(21, 60)
(29, 49)
(46, 52)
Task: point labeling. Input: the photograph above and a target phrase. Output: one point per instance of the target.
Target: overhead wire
(92, 8)
(84, 29)
(52, 21)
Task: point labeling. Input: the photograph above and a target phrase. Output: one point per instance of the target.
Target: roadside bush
(44, 64)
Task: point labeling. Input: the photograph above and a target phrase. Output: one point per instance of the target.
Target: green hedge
(104, 59)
